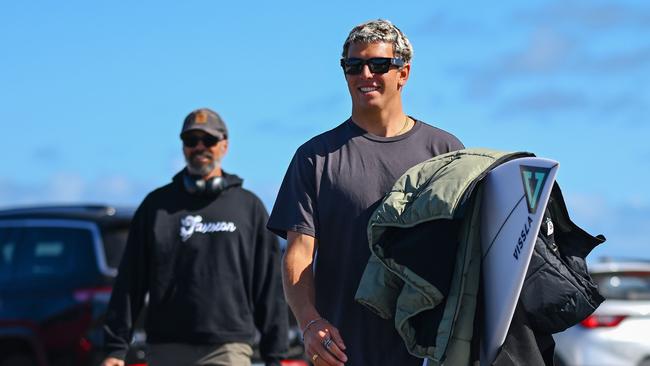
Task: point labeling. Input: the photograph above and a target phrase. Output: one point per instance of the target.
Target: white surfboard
(514, 199)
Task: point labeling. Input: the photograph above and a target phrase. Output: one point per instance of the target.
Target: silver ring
(327, 342)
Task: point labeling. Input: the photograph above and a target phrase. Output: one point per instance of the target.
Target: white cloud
(546, 52)
(546, 101)
(624, 224)
(587, 209)
(66, 187)
(73, 188)
(587, 14)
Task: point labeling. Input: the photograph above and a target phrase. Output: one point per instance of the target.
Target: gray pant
(180, 354)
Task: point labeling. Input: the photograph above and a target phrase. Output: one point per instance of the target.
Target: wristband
(309, 324)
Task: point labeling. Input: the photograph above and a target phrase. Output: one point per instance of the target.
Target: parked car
(57, 267)
(618, 332)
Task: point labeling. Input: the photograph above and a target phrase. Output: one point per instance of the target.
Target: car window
(114, 239)
(30, 252)
(8, 238)
(624, 286)
(8, 249)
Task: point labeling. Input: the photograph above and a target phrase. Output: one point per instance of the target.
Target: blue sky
(92, 94)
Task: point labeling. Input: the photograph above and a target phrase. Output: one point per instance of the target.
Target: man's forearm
(322, 339)
(298, 277)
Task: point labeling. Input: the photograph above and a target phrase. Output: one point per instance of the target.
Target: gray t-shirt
(333, 184)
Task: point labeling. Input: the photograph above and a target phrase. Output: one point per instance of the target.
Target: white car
(618, 332)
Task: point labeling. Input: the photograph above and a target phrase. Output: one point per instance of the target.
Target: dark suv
(57, 266)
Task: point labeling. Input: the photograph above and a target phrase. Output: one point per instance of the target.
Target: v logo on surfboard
(533, 178)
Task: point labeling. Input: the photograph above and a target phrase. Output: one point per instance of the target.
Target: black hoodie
(211, 269)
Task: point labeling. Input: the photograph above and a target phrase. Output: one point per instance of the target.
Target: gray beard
(201, 170)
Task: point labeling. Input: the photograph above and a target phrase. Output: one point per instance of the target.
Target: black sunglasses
(377, 65)
(193, 140)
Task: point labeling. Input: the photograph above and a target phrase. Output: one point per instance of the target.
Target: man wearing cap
(199, 248)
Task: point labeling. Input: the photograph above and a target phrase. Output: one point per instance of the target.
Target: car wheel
(18, 360)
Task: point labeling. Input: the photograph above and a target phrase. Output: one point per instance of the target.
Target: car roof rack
(68, 210)
(611, 259)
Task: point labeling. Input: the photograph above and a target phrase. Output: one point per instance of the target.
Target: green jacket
(442, 188)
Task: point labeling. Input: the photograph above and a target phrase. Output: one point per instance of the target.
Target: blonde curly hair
(380, 30)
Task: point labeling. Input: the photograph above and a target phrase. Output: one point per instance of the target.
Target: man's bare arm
(298, 282)
(298, 277)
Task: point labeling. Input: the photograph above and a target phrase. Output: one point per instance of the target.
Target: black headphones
(203, 187)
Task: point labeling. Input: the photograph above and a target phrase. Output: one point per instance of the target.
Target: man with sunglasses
(332, 186)
(199, 248)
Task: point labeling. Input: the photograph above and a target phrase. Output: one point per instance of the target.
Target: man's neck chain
(406, 122)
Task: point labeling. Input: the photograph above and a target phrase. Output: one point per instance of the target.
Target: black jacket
(558, 291)
(210, 267)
